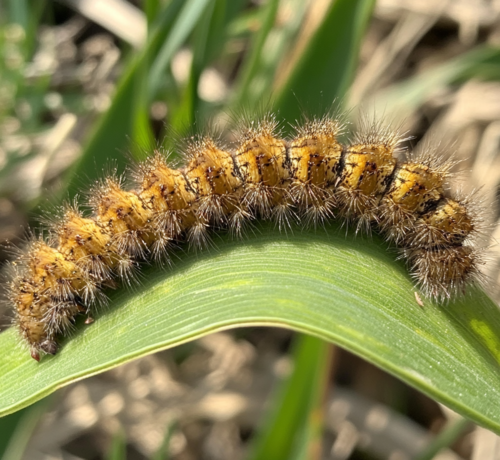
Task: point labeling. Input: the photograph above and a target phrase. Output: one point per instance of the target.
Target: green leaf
(109, 140)
(8, 427)
(253, 62)
(183, 26)
(448, 435)
(269, 52)
(324, 71)
(292, 430)
(407, 96)
(118, 450)
(17, 429)
(151, 9)
(208, 39)
(19, 12)
(326, 283)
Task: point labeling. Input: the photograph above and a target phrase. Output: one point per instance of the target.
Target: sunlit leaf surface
(345, 289)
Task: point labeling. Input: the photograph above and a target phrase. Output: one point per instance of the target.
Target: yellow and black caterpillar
(310, 177)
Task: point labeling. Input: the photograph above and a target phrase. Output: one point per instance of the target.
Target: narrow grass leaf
(405, 97)
(450, 433)
(8, 426)
(325, 69)
(208, 41)
(253, 61)
(19, 12)
(109, 140)
(188, 17)
(21, 430)
(118, 448)
(288, 430)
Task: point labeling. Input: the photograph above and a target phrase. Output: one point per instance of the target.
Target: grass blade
(324, 71)
(448, 435)
(208, 40)
(183, 26)
(405, 97)
(252, 62)
(22, 430)
(109, 139)
(288, 431)
(118, 448)
(337, 287)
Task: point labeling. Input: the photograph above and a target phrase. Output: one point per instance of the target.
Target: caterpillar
(311, 177)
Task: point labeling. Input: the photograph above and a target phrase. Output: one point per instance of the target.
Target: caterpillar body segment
(315, 154)
(262, 162)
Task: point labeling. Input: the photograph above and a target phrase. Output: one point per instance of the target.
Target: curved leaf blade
(334, 286)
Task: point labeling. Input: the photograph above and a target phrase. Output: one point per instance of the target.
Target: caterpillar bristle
(59, 318)
(284, 216)
(212, 176)
(315, 155)
(439, 158)
(325, 126)
(452, 221)
(417, 185)
(316, 205)
(308, 179)
(124, 216)
(240, 222)
(261, 159)
(43, 280)
(367, 167)
(445, 272)
(264, 125)
(198, 236)
(165, 192)
(373, 130)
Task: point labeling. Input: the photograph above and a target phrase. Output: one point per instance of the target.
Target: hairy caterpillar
(310, 177)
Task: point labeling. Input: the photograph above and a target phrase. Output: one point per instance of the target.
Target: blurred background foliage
(83, 82)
